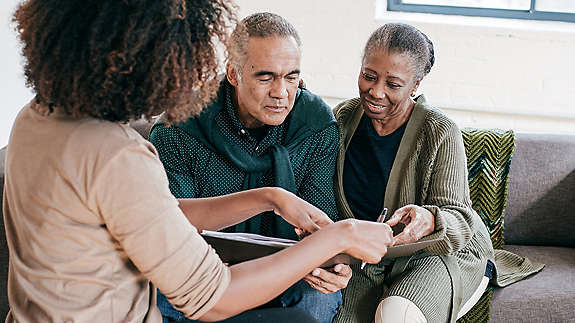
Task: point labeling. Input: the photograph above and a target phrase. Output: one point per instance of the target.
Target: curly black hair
(122, 59)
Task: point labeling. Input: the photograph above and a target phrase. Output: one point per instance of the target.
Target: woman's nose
(377, 92)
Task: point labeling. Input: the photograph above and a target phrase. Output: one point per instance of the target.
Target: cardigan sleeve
(175, 152)
(317, 186)
(448, 194)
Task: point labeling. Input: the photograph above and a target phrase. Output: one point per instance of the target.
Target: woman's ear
(232, 74)
(414, 88)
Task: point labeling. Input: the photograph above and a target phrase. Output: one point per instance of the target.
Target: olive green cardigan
(430, 170)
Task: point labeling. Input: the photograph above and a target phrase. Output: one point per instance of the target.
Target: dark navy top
(368, 161)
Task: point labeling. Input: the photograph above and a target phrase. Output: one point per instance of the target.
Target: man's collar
(230, 107)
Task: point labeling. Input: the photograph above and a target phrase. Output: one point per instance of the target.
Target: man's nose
(279, 89)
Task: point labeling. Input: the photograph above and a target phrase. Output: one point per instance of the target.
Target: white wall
(13, 91)
(489, 72)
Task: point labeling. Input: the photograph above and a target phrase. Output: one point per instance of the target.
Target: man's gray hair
(262, 24)
(403, 39)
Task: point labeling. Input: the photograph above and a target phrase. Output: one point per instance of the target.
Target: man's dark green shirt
(207, 155)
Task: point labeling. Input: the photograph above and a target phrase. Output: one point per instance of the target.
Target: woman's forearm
(216, 213)
(265, 278)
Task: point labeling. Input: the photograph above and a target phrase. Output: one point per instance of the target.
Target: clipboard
(234, 248)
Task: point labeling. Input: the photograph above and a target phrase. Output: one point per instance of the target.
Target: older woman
(399, 153)
(90, 220)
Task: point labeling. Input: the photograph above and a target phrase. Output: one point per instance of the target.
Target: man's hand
(301, 233)
(329, 281)
(298, 212)
(418, 221)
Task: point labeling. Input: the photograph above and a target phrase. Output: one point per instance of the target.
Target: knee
(398, 309)
(323, 307)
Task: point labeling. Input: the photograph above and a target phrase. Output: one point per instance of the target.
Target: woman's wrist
(271, 196)
(335, 238)
(344, 233)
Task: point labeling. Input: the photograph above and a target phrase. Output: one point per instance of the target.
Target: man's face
(265, 91)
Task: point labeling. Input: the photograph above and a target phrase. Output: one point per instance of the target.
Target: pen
(380, 219)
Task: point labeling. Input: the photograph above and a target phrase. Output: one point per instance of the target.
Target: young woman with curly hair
(90, 221)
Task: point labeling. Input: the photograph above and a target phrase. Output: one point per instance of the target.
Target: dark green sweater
(213, 154)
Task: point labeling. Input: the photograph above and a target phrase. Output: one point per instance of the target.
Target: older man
(262, 130)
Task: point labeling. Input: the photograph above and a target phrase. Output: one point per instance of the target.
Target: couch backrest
(541, 194)
(541, 190)
(143, 126)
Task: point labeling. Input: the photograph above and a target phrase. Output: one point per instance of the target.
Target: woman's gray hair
(403, 39)
(262, 24)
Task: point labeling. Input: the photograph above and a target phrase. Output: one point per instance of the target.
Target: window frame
(531, 14)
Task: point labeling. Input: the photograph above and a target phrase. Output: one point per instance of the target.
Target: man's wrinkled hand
(329, 281)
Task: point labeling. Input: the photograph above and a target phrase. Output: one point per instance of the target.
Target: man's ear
(232, 74)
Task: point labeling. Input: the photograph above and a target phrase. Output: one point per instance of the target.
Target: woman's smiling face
(385, 83)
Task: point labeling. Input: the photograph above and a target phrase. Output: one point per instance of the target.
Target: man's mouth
(276, 108)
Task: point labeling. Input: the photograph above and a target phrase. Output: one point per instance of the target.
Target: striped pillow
(489, 154)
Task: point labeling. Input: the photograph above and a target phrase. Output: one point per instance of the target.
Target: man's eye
(293, 78)
(267, 79)
(369, 77)
(393, 85)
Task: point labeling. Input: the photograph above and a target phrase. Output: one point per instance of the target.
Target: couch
(539, 223)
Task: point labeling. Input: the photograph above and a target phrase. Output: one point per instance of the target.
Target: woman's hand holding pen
(365, 240)
(418, 221)
(380, 219)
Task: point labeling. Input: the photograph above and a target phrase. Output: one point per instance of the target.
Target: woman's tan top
(90, 221)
